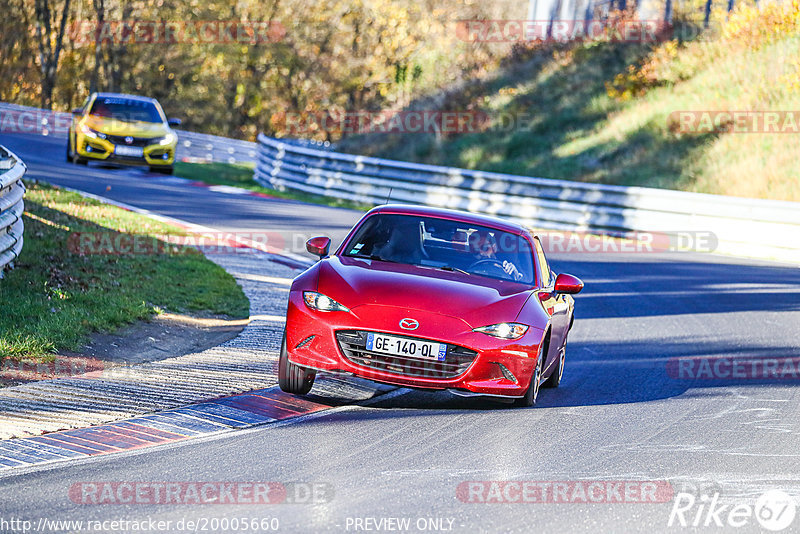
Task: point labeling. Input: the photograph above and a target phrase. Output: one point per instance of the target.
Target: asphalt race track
(628, 413)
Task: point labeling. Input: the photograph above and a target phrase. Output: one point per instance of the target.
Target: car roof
(129, 97)
(455, 215)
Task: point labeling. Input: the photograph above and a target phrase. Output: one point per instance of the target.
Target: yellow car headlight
(94, 134)
(168, 139)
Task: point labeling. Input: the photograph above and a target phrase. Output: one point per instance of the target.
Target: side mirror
(318, 246)
(566, 283)
(174, 122)
(77, 111)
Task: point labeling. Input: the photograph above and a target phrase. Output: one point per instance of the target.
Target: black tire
(293, 378)
(554, 380)
(73, 157)
(532, 393)
(162, 170)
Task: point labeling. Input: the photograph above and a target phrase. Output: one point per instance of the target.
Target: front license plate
(400, 346)
(130, 151)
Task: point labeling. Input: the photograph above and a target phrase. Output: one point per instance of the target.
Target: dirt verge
(165, 336)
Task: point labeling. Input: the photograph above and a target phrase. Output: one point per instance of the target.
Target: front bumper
(103, 150)
(499, 367)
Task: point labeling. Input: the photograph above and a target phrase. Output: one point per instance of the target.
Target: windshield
(125, 109)
(444, 244)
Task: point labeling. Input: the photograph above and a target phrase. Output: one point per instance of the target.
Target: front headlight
(504, 330)
(167, 139)
(320, 302)
(94, 134)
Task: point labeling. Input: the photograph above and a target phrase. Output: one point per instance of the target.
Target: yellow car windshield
(127, 110)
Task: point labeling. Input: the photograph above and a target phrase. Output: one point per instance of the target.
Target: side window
(541, 263)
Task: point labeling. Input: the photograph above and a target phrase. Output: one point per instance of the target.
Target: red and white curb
(236, 412)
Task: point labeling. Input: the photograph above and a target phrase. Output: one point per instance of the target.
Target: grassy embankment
(600, 112)
(56, 296)
(241, 175)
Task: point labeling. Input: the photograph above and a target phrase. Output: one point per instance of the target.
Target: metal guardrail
(192, 146)
(12, 191)
(201, 148)
(742, 227)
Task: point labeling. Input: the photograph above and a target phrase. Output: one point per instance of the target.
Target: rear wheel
(293, 378)
(532, 392)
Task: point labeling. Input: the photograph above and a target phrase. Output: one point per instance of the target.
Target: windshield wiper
(374, 257)
(453, 269)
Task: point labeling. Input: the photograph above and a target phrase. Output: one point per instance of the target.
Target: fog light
(306, 341)
(506, 373)
(164, 156)
(88, 148)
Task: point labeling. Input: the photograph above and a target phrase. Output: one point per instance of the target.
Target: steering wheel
(481, 266)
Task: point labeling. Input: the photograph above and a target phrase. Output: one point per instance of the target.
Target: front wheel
(293, 378)
(532, 392)
(71, 156)
(162, 170)
(555, 379)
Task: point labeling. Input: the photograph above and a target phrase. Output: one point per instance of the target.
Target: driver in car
(483, 247)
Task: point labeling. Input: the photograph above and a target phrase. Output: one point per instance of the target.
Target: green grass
(241, 175)
(56, 297)
(579, 127)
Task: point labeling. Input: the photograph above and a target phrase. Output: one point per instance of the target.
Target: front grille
(354, 342)
(137, 141)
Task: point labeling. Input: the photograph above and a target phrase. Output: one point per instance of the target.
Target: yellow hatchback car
(122, 129)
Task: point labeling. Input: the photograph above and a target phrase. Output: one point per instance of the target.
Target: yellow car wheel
(72, 157)
(162, 170)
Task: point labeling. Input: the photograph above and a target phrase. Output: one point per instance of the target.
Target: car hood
(479, 301)
(118, 127)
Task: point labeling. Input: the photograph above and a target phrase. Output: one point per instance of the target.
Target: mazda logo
(129, 139)
(409, 324)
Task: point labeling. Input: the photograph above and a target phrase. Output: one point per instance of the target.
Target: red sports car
(430, 298)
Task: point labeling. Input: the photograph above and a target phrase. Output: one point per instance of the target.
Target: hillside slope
(611, 113)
